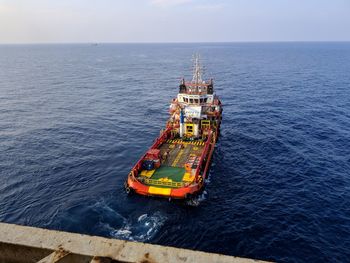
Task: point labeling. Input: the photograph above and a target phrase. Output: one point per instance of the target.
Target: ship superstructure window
(185, 99)
(196, 101)
(205, 124)
(201, 100)
(191, 100)
(205, 100)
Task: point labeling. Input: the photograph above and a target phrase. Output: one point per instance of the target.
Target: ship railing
(161, 183)
(195, 92)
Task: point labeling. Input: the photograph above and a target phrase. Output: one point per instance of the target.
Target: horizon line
(175, 42)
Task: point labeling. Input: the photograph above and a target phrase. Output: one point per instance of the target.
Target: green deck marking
(173, 173)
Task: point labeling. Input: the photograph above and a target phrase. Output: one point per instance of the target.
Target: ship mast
(197, 72)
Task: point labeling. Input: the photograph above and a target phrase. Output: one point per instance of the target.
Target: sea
(74, 119)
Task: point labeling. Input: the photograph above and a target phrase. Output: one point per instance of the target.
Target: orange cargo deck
(179, 151)
(172, 172)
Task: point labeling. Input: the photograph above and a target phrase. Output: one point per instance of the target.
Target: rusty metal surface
(55, 256)
(65, 245)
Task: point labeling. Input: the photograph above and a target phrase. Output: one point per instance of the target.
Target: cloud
(166, 3)
(194, 4)
(209, 7)
(5, 8)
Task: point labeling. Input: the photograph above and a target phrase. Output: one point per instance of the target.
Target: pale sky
(67, 21)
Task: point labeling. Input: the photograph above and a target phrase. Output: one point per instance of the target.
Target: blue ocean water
(75, 118)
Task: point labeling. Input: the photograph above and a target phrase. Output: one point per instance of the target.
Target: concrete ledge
(30, 244)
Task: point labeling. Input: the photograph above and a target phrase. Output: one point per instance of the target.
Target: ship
(177, 165)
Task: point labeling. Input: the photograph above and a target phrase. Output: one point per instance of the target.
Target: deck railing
(162, 183)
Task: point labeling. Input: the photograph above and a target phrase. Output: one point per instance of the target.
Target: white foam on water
(142, 217)
(203, 196)
(135, 227)
(207, 180)
(144, 228)
(122, 233)
(196, 201)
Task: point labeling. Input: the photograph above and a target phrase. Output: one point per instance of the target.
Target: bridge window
(205, 124)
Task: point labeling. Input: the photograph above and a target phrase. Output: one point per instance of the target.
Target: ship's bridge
(196, 87)
(196, 91)
(195, 98)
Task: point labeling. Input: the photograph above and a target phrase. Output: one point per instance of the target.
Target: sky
(100, 21)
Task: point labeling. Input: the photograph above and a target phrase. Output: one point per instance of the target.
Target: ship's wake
(197, 200)
(144, 228)
(135, 227)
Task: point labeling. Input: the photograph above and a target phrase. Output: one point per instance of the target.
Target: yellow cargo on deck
(159, 191)
(147, 174)
(188, 177)
(165, 179)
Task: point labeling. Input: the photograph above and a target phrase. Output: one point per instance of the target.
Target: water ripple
(75, 118)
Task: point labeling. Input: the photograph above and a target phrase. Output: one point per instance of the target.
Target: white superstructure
(196, 107)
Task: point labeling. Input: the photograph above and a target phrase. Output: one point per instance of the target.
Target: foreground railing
(30, 244)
